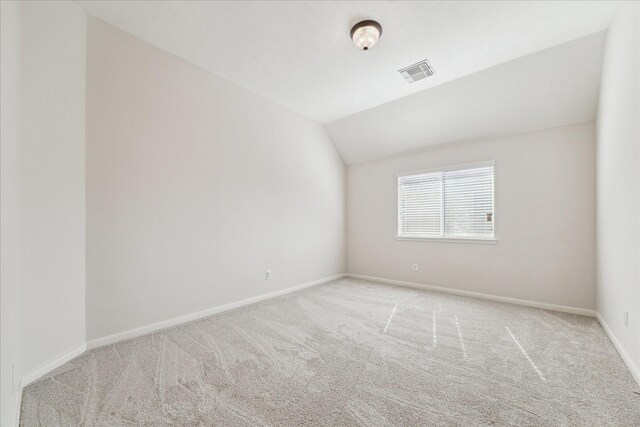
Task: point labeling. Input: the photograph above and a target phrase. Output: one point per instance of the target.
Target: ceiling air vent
(418, 71)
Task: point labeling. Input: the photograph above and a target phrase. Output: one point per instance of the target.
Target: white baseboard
(144, 330)
(18, 406)
(621, 351)
(55, 363)
(535, 304)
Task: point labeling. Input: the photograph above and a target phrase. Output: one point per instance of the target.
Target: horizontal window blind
(450, 203)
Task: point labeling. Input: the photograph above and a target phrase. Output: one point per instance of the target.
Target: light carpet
(345, 353)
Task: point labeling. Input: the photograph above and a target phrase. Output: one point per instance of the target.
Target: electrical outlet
(268, 275)
(415, 267)
(626, 319)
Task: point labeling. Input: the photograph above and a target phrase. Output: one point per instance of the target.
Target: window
(450, 203)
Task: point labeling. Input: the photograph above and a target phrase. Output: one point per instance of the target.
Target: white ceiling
(555, 87)
(299, 53)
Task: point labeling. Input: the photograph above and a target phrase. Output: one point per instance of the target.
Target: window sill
(450, 240)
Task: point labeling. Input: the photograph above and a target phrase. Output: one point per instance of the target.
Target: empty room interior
(291, 213)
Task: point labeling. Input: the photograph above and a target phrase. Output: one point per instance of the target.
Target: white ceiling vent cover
(418, 71)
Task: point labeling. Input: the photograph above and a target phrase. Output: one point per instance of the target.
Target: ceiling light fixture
(365, 34)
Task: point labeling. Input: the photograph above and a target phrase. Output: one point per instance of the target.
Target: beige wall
(9, 208)
(619, 183)
(52, 144)
(196, 187)
(43, 187)
(545, 220)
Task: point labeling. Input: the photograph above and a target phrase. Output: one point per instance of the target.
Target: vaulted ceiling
(298, 54)
(554, 87)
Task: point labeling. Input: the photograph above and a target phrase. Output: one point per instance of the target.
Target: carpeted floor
(349, 353)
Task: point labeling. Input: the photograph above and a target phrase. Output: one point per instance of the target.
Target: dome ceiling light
(365, 34)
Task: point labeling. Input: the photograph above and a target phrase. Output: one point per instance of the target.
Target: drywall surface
(547, 89)
(544, 213)
(9, 208)
(52, 187)
(618, 182)
(321, 75)
(195, 188)
(43, 189)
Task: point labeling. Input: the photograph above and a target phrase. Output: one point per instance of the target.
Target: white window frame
(482, 240)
